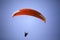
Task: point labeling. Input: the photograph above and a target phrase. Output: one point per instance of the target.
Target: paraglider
(29, 12)
(25, 34)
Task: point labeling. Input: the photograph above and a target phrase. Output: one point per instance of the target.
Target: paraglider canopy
(30, 12)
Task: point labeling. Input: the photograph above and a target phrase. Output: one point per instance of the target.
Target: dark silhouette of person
(25, 34)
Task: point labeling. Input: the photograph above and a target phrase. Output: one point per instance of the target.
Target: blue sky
(14, 28)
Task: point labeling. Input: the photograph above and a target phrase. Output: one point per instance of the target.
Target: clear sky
(14, 28)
